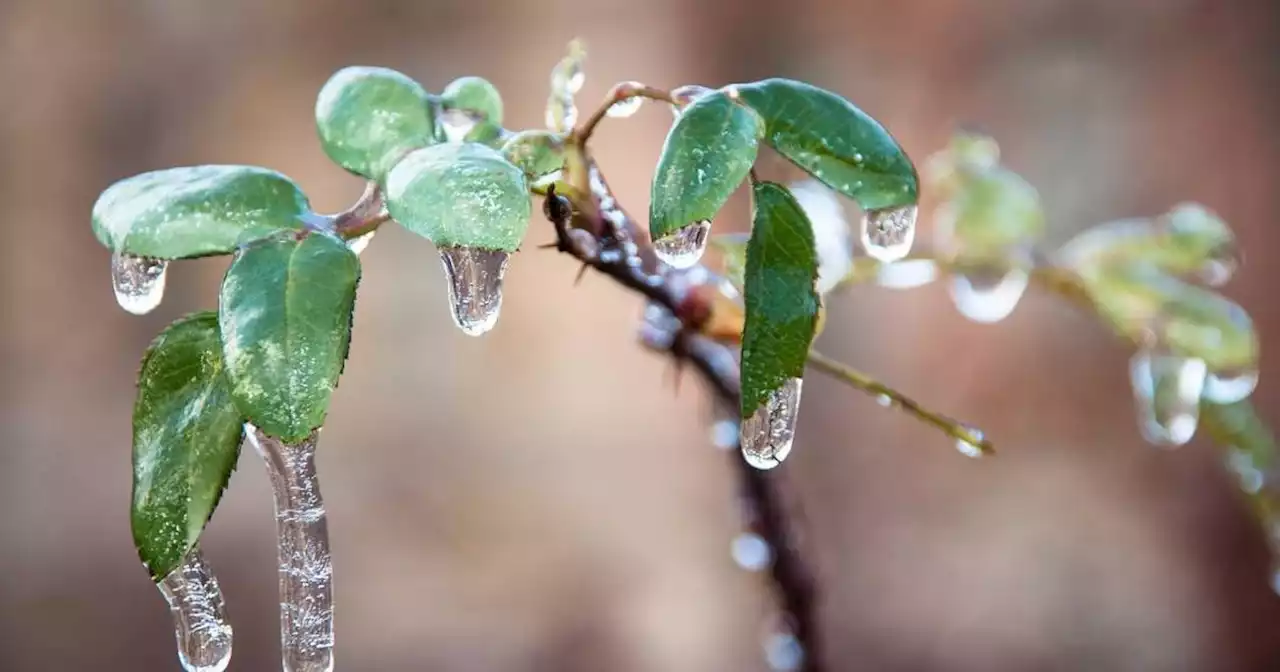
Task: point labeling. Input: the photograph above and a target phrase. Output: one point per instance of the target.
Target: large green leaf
(782, 304)
(537, 153)
(196, 211)
(480, 98)
(368, 118)
(186, 437)
(707, 154)
(285, 312)
(461, 195)
(834, 141)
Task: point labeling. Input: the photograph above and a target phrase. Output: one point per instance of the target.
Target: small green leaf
(476, 95)
(461, 195)
(368, 118)
(285, 312)
(196, 211)
(537, 153)
(1189, 240)
(834, 141)
(782, 304)
(186, 437)
(1191, 321)
(993, 210)
(708, 153)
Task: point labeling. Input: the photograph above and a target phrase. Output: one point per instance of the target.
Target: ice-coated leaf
(782, 304)
(536, 152)
(834, 141)
(1238, 426)
(478, 96)
(992, 209)
(1189, 240)
(196, 211)
(285, 314)
(707, 154)
(186, 437)
(368, 118)
(1189, 320)
(461, 195)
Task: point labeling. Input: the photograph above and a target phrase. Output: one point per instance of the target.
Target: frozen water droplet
(683, 247)
(683, 96)
(768, 434)
(783, 652)
(1229, 387)
(306, 565)
(884, 400)
(1250, 476)
(456, 124)
(475, 286)
(887, 233)
(724, 434)
(358, 243)
(751, 552)
(1167, 390)
(986, 296)
(138, 282)
(907, 274)
(971, 448)
(199, 615)
(627, 106)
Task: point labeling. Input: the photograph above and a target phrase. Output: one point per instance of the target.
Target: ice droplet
(358, 243)
(988, 296)
(683, 247)
(907, 274)
(971, 448)
(783, 652)
(1249, 475)
(627, 106)
(456, 124)
(306, 566)
(138, 282)
(887, 233)
(1167, 391)
(569, 78)
(751, 552)
(199, 615)
(475, 286)
(1229, 387)
(768, 434)
(724, 434)
(884, 400)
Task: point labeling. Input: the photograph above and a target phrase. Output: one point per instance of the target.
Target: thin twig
(861, 381)
(367, 214)
(617, 94)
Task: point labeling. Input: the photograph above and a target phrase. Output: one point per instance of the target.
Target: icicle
(683, 247)
(199, 615)
(138, 282)
(1167, 391)
(475, 286)
(768, 434)
(985, 296)
(888, 233)
(306, 567)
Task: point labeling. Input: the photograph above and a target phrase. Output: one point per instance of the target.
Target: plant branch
(617, 94)
(365, 216)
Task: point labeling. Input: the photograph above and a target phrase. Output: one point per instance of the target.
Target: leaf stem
(366, 215)
(861, 381)
(617, 94)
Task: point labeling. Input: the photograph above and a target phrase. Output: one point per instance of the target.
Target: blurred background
(541, 498)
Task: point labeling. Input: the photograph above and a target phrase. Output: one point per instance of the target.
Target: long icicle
(306, 566)
(199, 615)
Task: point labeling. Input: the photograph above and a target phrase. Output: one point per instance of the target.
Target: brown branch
(612, 244)
(619, 93)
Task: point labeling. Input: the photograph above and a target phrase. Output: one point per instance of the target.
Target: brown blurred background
(540, 499)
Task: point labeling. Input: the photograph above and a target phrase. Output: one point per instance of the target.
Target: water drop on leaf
(768, 434)
(888, 233)
(988, 296)
(1167, 390)
(199, 615)
(683, 247)
(138, 282)
(475, 286)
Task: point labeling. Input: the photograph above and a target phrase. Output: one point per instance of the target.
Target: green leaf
(537, 153)
(368, 118)
(782, 304)
(476, 95)
(993, 210)
(196, 211)
(285, 312)
(1189, 240)
(708, 153)
(1238, 430)
(834, 141)
(461, 195)
(1191, 321)
(186, 437)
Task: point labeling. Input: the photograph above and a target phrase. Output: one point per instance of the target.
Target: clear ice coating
(768, 434)
(887, 233)
(682, 96)
(751, 552)
(306, 567)
(986, 296)
(627, 106)
(138, 282)
(1167, 390)
(1222, 387)
(358, 243)
(783, 652)
(683, 247)
(456, 124)
(199, 615)
(475, 286)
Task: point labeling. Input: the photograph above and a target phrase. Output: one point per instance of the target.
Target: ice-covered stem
(617, 94)
(306, 566)
(953, 428)
(367, 214)
(199, 615)
(613, 245)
